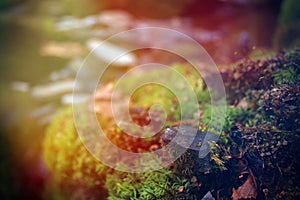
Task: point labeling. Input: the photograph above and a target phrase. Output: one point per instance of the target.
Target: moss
(286, 76)
(268, 138)
(281, 106)
(73, 166)
(197, 175)
(276, 159)
(261, 135)
(149, 185)
(234, 115)
(148, 95)
(128, 142)
(68, 160)
(261, 54)
(255, 76)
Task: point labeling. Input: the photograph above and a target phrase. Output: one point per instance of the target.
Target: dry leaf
(247, 190)
(180, 189)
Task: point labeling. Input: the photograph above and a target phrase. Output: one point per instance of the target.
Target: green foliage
(287, 76)
(231, 118)
(234, 115)
(150, 185)
(261, 128)
(289, 73)
(219, 155)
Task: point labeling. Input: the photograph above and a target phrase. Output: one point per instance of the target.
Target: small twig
(279, 168)
(253, 178)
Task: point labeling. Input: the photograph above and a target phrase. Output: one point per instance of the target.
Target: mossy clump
(150, 185)
(151, 94)
(72, 166)
(259, 141)
(198, 175)
(147, 95)
(276, 154)
(269, 137)
(281, 106)
(252, 77)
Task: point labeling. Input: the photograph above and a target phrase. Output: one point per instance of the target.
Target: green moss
(233, 116)
(281, 107)
(68, 160)
(261, 129)
(151, 94)
(289, 73)
(261, 54)
(150, 185)
(250, 78)
(286, 76)
(268, 136)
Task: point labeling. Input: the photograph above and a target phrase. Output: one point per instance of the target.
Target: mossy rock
(72, 166)
(250, 78)
(281, 105)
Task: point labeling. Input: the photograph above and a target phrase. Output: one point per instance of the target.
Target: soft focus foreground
(45, 42)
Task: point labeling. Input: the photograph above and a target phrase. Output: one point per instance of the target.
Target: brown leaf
(180, 189)
(247, 190)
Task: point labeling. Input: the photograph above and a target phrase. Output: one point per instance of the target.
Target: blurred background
(43, 42)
